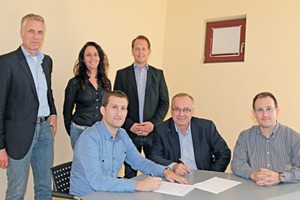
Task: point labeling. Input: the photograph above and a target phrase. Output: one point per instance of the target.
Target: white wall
(224, 91)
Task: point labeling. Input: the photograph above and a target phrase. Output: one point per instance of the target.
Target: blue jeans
(75, 131)
(40, 156)
(140, 143)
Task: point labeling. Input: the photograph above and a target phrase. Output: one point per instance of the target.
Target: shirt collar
(138, 67)
(274, 133)
(187, 131)
(107, 134)
(39, 54)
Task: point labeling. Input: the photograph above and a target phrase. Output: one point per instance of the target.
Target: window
(225, 41)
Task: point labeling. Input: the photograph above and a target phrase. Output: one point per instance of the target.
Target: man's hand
(172, 177)
(146, 128)
(265, 177)
(149, 184)
(3, 159)
(142, 129)
(181, 169)
(135, 128)
(53, 123)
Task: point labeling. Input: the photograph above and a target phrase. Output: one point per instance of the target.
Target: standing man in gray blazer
(28, 118)
(148, 96)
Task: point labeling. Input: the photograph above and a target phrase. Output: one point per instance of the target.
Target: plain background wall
(223, 92)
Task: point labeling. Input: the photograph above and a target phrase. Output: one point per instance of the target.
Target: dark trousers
(141, 143)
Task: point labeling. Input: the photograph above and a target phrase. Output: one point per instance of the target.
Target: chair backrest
(61, 177)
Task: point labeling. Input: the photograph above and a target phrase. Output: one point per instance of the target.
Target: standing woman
(85, 90)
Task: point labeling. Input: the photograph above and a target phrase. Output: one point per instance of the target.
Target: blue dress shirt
(37, 71)
(98, 159)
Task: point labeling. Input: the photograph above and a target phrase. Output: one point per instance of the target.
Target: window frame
(239, 56)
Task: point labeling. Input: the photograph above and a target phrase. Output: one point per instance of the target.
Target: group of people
(108, 128)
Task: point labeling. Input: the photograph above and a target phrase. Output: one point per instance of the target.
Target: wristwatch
(168, 168)
(281, 177)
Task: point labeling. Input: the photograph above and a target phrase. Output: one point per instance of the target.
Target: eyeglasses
(267, 110)
(184, 110)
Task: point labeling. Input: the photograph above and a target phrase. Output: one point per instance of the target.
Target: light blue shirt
(37, 72)
(187, 148)
(141, 80)
(98, 159)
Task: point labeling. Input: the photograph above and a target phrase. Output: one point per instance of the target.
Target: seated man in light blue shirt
(101, 150)
(184, 142)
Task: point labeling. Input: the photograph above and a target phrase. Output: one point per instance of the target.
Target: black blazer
(156, 97)
(19, 102)
(210, 149)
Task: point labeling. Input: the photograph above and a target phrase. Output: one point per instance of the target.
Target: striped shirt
(141, 81)
(279, 153)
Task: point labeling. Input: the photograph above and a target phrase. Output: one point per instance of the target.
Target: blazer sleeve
(119, 85)
(5, 77)
(163, 102)
(49, 63)
(220, 150)
(160, 151)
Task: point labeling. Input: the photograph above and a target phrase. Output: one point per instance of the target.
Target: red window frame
(239, 56)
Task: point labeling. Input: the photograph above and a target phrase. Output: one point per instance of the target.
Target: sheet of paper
(174, 188)
(216, 185)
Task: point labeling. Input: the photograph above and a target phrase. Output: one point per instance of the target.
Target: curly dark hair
(81, 71)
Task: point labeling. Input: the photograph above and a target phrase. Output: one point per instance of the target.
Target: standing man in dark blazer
(28, 118)
(148, 96)
(184, 142)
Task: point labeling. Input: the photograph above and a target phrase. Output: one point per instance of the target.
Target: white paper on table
(216, 185)
(174, 188)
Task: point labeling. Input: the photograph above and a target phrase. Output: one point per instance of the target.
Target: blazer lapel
(148, 82)
(174, 140)
(131, 77)
(196, 143)
(24, 65)
(46, 73)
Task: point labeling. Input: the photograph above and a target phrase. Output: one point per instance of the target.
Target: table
(247, 190)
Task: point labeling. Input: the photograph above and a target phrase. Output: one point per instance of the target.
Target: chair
(61, 181)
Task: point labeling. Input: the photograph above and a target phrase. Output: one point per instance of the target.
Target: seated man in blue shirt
(267, 153)
(101, 150)
(184, 142)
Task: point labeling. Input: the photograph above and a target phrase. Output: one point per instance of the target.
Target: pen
(151, 174)
(180, 161)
